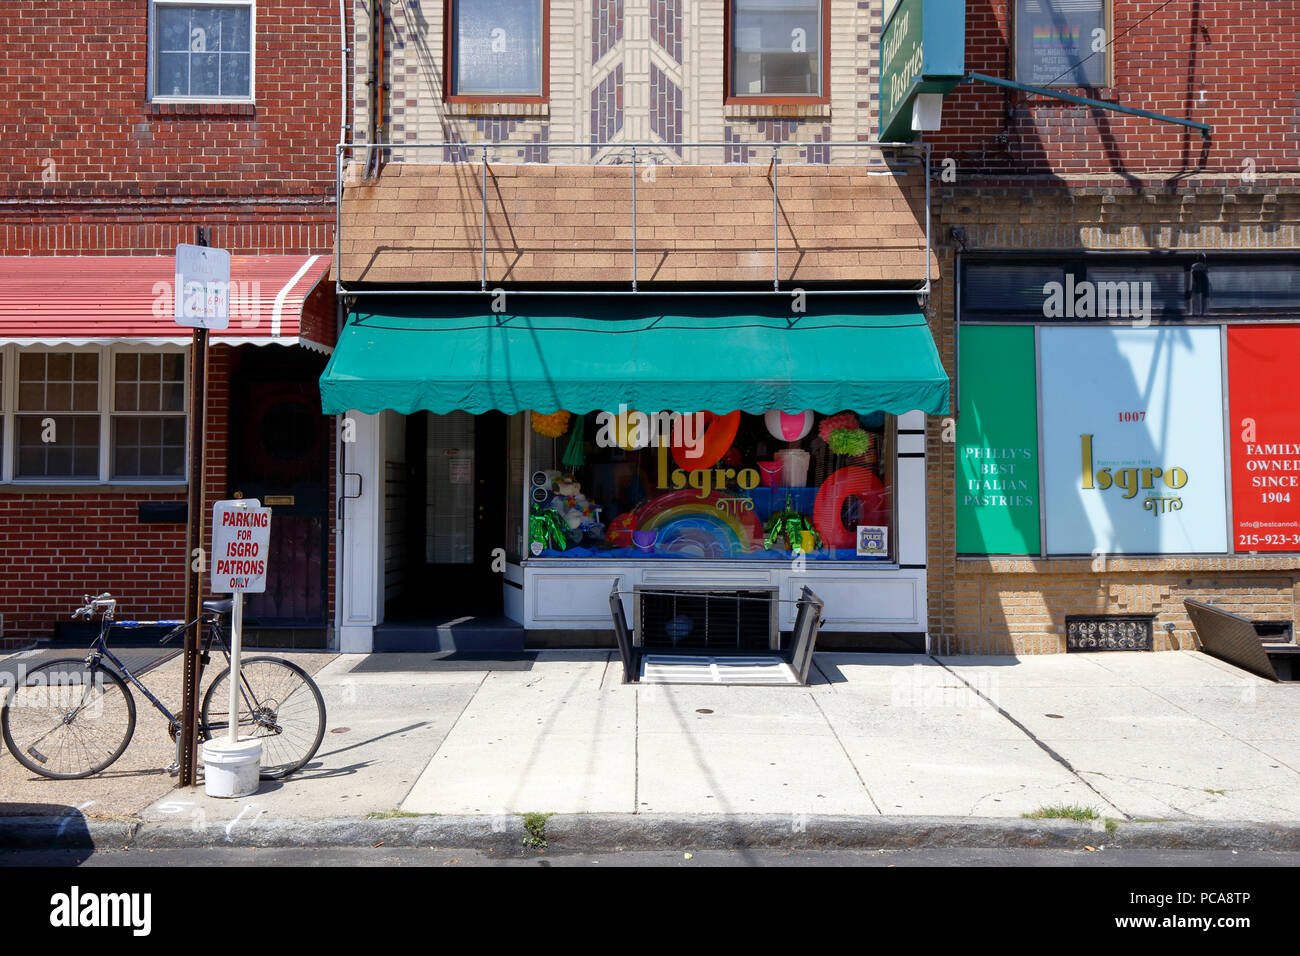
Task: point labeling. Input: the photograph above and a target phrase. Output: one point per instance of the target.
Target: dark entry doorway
(454, 516)
(279, 454)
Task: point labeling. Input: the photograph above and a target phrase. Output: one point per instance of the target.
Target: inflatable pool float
(740, 532)
(828, 510)
(719, 433)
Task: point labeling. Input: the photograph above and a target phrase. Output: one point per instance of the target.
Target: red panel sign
(1264, 434)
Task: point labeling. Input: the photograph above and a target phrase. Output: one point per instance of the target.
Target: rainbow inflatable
(692, 526)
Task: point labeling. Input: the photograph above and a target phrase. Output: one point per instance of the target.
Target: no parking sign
(241, 539)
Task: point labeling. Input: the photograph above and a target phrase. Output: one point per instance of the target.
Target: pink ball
(788, 427)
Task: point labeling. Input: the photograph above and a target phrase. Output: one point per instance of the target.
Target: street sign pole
(200, 299)
(236, 643)
(189, 733)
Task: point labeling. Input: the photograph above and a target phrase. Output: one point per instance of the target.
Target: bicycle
(73, 717)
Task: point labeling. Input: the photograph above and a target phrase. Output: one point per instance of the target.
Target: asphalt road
(402, 856)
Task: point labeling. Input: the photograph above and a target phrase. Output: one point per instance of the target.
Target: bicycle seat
(219, 607)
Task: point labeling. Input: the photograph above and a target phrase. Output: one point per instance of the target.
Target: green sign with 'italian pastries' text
(922, 50)
(997, 442)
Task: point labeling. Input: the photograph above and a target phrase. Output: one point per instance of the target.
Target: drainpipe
(377, 86)
(344, 49)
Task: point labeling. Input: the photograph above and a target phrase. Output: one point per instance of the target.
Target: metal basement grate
(707, 619)
(1108, 632)
(1273, 632)
(700, 669)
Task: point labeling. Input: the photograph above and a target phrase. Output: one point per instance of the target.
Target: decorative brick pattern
(666, 27)
(606, 27)
(607, 108)
(665, 107)
(656, 43)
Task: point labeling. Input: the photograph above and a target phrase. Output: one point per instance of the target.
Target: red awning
(82, 300)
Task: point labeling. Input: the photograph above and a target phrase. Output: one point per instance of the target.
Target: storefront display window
(1092, 434)
(703, 486)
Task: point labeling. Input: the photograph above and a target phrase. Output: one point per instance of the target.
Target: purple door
(279, 443)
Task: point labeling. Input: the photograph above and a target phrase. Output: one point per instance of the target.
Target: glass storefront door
(447, 516)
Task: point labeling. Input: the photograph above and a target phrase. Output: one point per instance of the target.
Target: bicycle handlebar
(103, 603)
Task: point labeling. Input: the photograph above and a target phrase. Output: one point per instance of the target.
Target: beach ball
(788, 427)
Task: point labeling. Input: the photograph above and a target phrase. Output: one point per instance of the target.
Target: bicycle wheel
(278, 703)
(67, 720)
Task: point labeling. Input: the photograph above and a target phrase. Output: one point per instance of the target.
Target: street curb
(649, 831)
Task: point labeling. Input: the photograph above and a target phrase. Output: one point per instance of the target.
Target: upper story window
(497, 50)
(777, 50)
(1062, 42)
(201, 52)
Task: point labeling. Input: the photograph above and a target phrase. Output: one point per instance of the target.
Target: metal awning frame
(1086, 101)
(922, 291)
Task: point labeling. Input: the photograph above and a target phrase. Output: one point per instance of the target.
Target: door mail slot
(278, 500)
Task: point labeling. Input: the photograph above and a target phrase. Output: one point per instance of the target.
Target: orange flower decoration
(552, 426)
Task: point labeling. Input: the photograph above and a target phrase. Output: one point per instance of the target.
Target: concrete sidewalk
(1135, 737)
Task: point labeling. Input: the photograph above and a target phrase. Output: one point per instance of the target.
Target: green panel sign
(922, 51)
(997, 442)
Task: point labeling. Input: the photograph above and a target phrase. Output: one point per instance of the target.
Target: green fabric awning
(709, 353)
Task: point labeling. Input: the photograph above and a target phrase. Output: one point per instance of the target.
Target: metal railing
(485, 147)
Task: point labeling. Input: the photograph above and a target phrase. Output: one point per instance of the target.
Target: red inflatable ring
(853, 481)
(719, 433)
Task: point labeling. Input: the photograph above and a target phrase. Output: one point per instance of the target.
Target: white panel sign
(241, 539)
(1133, 440)
(202, 287)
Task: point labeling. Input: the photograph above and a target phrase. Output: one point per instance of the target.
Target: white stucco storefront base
(559, 594)
(575, 595)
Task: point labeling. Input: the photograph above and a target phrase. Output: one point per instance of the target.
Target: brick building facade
(716, 158)
(1035, 181)
(102, 159)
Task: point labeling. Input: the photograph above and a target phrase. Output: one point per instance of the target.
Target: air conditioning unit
(707, 619)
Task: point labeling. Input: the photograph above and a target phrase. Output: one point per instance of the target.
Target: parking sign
(241, 539)
(202, 284)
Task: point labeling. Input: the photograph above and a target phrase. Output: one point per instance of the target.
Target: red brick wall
(90, 167)
(57, 545)
(1229, 63)
(69, 231)
(73, 90)
(79, 130)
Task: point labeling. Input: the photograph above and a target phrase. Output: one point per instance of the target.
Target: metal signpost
(200, 301)
(241, 539)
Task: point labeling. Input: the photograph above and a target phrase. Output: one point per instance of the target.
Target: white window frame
(107, 369)
(152, 54)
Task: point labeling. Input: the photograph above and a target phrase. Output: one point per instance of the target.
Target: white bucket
(231, 770)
